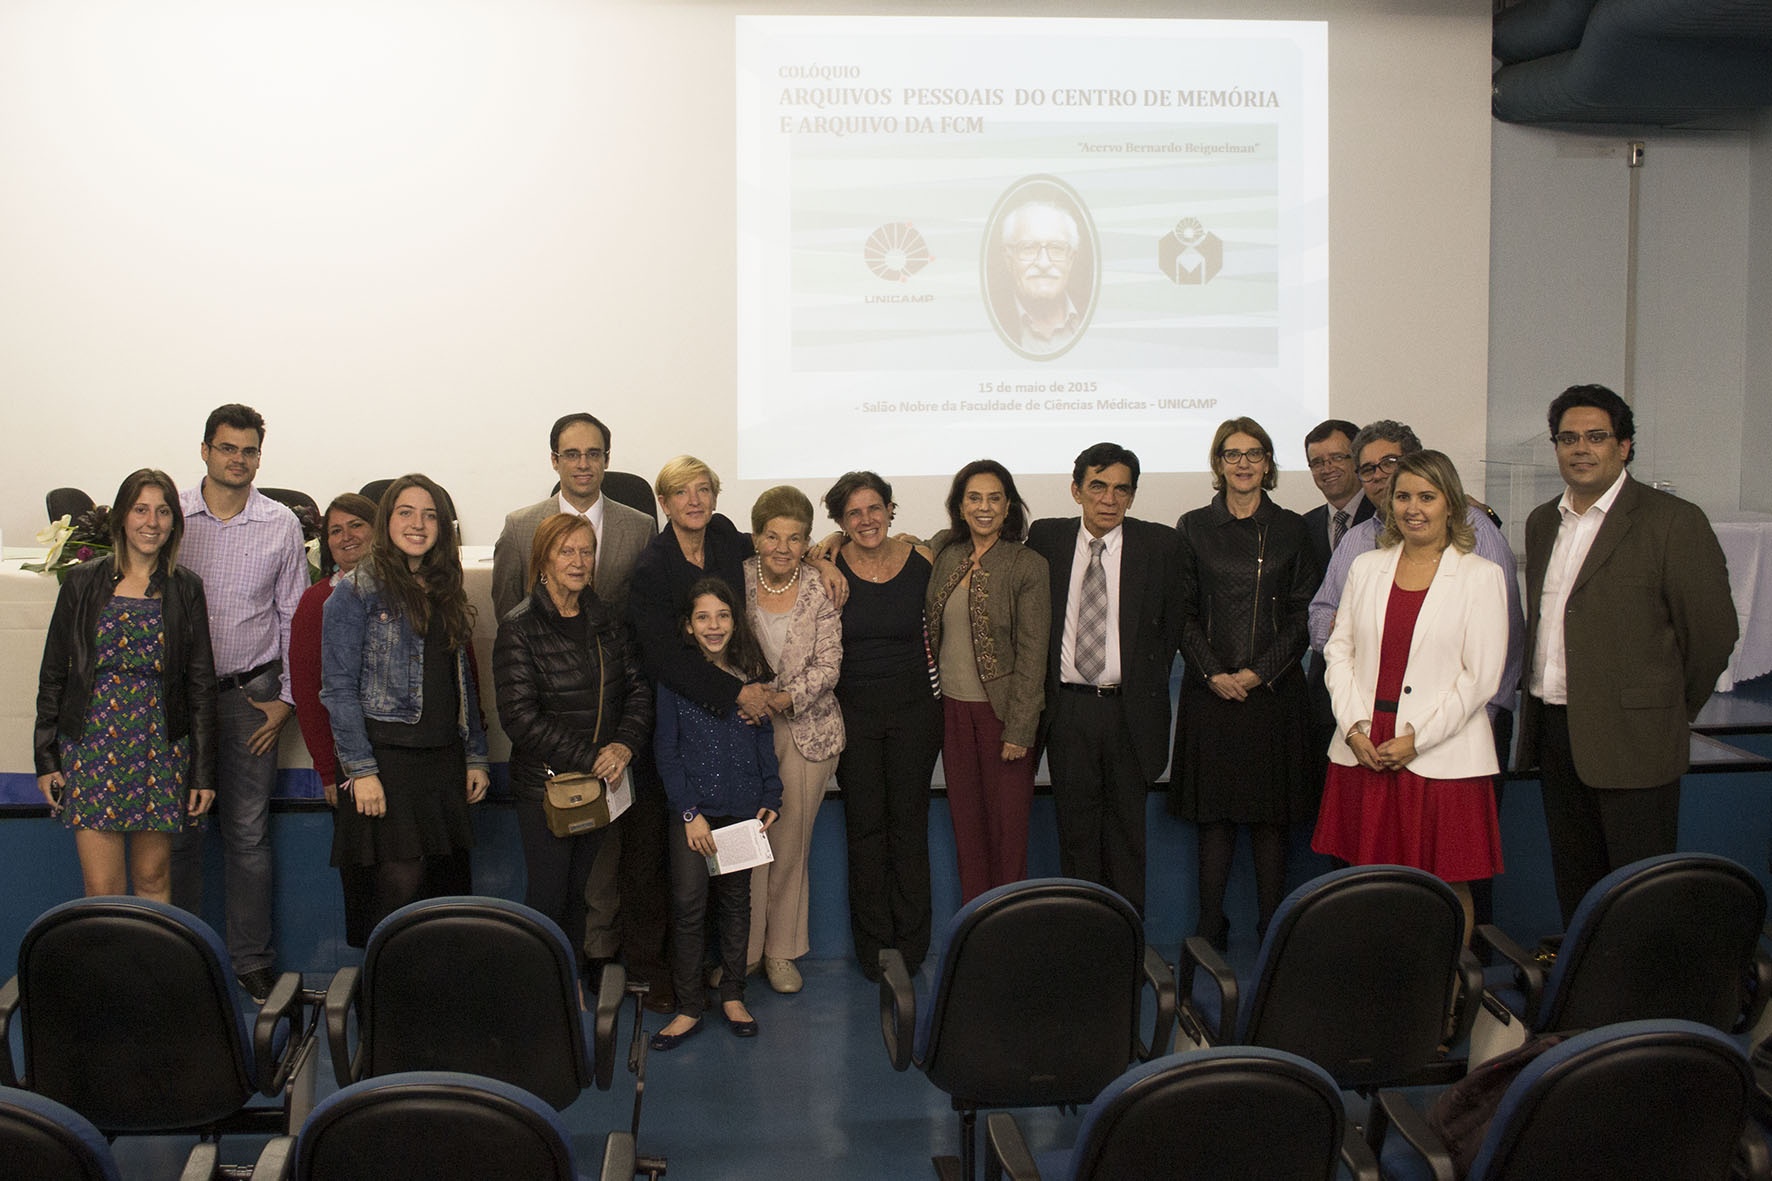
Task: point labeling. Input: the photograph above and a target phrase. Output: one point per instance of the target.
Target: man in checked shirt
(247, 548)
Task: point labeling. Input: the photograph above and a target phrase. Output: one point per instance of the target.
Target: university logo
(896, 251)
(1190, 253)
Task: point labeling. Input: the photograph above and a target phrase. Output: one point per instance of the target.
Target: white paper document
(740, 846)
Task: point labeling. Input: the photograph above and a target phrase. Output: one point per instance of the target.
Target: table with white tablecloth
(1746, 539)
(26, 601)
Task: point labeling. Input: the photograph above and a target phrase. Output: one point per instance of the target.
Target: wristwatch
(690, 814)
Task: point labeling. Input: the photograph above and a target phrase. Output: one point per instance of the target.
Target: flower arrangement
(72, 541)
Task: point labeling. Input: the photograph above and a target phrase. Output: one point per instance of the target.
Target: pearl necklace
(777, 590)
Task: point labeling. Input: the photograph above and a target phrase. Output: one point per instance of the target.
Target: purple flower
(84, 553)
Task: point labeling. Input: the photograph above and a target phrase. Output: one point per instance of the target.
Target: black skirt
(427, 813)
(1242, 761)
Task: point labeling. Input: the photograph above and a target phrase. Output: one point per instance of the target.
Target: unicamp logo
(896, 251)
(1190, 254)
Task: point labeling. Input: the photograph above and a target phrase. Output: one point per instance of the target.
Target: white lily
(55, 536)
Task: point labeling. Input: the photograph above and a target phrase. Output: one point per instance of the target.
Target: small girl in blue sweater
(717, 770)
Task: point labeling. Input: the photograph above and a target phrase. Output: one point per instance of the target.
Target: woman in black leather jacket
(571, 698)
(125, 731)
(1248, 574)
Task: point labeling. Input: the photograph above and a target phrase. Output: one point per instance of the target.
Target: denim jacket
(372, 664)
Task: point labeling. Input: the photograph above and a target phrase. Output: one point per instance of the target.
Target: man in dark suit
(1115, 608)
(1629, 624)
(1329, 450)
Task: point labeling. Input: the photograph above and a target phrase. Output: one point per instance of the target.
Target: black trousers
(693, 895)
(557, 868)
(1594, 830)
(645, 917)
(884, 773)
(1100, 794)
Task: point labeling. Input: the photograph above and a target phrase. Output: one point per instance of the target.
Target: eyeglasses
(1570, 438)
(1029, 251)
(229, 451)
(1253, 455)
(1387, 465)
(574, 458)
(1335, 460)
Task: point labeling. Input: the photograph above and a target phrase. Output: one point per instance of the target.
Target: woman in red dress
(1418, 647)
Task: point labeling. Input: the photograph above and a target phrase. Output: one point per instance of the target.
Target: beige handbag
(577, 801)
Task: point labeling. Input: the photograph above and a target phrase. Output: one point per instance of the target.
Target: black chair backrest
(42, 1138)
(1359, 972)
(433, 1126)
(1036, 998)
(1669, 936)
(130, 1016)
(477, 985)
(66, 502)
(292, 497)
(376, 488)
(1637, 1099)
(1236, 1111)
(628, 489)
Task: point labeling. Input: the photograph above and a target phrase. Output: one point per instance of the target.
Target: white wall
(1756, 433)
(411, 232)
(1558, 295)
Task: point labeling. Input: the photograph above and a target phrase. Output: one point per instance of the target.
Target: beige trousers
(780, 891)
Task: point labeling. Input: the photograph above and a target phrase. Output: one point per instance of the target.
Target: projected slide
(961, 237)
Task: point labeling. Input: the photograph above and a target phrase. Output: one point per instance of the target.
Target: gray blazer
(1649, 628)
(626, 533)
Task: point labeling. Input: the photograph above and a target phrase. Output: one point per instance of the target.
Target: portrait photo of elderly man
(1039, 267)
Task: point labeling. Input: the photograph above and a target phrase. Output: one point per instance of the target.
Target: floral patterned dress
(123, 775)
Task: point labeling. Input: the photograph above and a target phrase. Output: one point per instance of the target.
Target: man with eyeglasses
(578, 449)
(1329, 452)
(1377, 449)
(248, 551)
(1631, 622)
(1040, 243)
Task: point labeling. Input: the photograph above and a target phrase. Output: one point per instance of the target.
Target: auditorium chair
(1207, 1114)
(1363, 971)
(1661, 1099)
(1036, 1001)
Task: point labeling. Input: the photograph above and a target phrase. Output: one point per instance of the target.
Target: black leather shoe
(662, 1042)
(257, 983)
(742, 1028)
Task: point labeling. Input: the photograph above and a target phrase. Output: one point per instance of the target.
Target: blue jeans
(243, 810)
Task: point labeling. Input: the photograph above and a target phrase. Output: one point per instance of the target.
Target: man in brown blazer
(1629, 624)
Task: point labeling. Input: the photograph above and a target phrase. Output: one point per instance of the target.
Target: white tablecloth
(1746, 539)
(27, 599)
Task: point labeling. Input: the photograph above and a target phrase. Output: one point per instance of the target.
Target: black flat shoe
(742, 1028)
(662, 1042)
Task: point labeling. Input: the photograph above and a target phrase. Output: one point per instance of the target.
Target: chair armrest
(898, 1008)
(1463, 1017)
(276, 1161)
(1357, 1155)
(1196, 950)
(341, 1001)
(1759, 987)
(1162, 982)
(284, 1004)
(8, 1007)
(1528, 972)
(612, 989)
(1006, 1152)
(203, 1163)
(1391, 1109)
(618, 1157)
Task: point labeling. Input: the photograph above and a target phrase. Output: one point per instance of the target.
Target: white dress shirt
(594, 515)
(1575, 537)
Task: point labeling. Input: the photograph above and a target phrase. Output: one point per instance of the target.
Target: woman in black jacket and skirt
(1240, 741)
(570, 698)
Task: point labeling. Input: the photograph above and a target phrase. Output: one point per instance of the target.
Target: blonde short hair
(1437, 469)
(682, 471)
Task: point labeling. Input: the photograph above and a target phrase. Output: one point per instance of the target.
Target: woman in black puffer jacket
(571, 698)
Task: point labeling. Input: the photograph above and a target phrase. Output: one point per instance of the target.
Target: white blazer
(1455, 661)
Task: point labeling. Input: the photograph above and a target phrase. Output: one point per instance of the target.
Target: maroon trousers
(988, 798)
